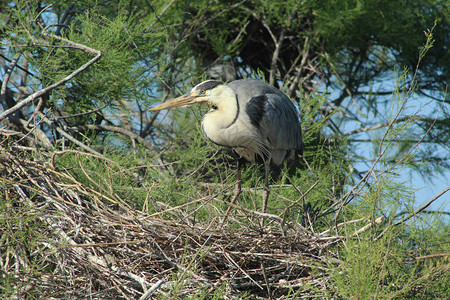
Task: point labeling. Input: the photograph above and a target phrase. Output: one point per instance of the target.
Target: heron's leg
(237, 190)
(266, 191)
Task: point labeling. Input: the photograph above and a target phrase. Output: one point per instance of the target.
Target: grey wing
(280, 123)
(271, 111)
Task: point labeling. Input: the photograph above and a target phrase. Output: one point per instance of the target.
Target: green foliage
(118, 180)
(390, 268)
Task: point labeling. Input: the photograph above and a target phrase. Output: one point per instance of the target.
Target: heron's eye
(203, 92)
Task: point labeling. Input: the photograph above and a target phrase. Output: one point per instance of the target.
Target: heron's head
(209, 92)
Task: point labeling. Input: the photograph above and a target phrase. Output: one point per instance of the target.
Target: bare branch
(364, 129)
(43, 91)
(6, 79)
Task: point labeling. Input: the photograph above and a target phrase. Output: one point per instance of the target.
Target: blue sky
(425, 187)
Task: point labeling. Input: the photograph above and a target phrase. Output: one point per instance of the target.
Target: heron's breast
(246, 153)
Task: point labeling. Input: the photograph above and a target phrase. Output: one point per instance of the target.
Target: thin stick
(414, 212)
(151, 290)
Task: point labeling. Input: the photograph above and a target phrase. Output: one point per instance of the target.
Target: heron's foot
(265, 195)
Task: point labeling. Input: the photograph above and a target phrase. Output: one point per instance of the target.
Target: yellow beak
(184, 100)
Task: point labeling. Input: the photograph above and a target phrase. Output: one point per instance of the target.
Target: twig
(230, 259)
(363, 129)
(432, 255)
(42, 11)
(341, 224)
(422, 207)
(266, 280)
(81, 114)
(116, 129)
(55, 153)
(151, 290)
(364, 228)
(177, 207)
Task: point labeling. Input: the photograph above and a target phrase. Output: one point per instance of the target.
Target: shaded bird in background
(255, 119)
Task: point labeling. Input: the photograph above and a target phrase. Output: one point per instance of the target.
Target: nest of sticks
(91, 247)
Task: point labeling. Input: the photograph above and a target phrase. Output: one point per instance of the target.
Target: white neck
(219, 119)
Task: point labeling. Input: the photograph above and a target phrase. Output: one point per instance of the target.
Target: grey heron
(255, 119)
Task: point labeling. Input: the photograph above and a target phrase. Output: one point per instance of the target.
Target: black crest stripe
(208, 85)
